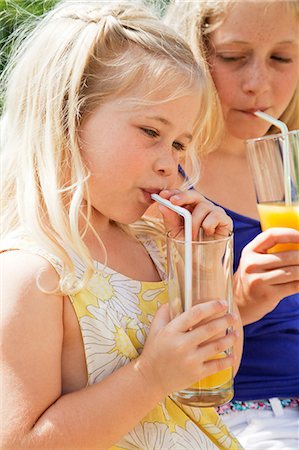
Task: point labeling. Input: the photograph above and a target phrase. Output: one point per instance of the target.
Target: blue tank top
(270, 361)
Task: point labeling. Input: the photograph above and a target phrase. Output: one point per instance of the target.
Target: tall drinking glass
(267, 161)
(211, 280)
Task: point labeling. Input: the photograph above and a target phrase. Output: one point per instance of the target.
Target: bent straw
(285, 153)
(188, 245)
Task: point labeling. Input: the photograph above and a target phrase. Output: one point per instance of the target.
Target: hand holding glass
(267, 163)
(211, 280)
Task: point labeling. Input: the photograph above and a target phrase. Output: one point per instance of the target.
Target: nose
(257, 77)
(166, 164)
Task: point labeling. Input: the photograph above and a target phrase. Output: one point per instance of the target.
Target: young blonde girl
(101, 99)
(251, 49)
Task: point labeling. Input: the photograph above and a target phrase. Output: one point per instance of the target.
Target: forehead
(147, 92)
(254, 20)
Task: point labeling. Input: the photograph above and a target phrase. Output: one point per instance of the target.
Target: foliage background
(14, 12)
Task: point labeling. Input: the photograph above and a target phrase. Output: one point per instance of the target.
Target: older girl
(252, 53)
(101, 101)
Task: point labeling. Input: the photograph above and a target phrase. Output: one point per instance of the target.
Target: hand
(262, 278)
(205, 214)
(178, 353)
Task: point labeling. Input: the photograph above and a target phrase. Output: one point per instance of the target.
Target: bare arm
(34, 413)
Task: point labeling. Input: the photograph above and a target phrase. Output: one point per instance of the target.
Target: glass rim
(221, 239)
(271, 136)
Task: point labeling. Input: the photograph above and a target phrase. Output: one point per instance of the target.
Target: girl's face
(255, 64)
(133, 152)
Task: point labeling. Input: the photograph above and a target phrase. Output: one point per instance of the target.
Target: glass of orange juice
(212, 258)
(267, 160)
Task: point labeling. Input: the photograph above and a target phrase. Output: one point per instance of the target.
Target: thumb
(171, 218)
(161, 319)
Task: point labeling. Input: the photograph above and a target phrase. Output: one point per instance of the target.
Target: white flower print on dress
(149, 436)
(107, 346)
(121, 292)
(192, 438)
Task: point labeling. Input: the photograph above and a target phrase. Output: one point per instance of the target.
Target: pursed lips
(251, 111)
(147, 192)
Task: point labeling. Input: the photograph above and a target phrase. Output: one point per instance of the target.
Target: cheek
(224, 80)
(285, 87)
(92, 160)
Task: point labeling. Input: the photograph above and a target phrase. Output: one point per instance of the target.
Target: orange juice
(216, 389)
(216, 379)
(279, 215)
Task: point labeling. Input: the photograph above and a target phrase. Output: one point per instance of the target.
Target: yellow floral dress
(114, 313)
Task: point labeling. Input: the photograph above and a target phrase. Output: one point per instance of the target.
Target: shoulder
(26, 284)
(21, 266)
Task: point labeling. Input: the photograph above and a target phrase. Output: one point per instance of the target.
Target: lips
(147, 192)
(152, 191)
(252, 110)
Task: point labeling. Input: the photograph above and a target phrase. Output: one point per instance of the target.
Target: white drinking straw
(188, 245)
(285, 152)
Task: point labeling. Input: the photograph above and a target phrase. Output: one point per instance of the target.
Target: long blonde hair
(196, 20)
(77, 57)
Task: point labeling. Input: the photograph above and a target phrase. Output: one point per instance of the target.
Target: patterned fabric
(114, 313)
(256, 404)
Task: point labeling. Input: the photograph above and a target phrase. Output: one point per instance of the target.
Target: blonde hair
(78, 56)
(196, 19)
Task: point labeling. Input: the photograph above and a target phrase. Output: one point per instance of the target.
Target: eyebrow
(167, 123)
(292, 42)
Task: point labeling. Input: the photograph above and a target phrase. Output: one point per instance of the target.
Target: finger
(167, 193)
(282, 275)
(287, 289)
(261, 262)
(211, 329)
(218, 365)
(197, 314)
(204, 213)
(209, 350)
(201, 218)
(267, 239)
(184, 198)
(172, 220)
(264, 261)
(217, 221)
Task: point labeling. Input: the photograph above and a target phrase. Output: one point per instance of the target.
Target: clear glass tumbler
(212, 259)
(268, 166)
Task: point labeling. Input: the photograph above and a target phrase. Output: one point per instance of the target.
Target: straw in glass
(285, 153)
(188, 245)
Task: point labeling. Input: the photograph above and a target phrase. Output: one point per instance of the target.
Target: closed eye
(227, 58)
(178, 146)
(150, 132)
(281, 59)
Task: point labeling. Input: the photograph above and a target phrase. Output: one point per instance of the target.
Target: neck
(233, 146)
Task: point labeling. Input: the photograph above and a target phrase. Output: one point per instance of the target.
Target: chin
(245, 127)
(244, 133)
(130, 218)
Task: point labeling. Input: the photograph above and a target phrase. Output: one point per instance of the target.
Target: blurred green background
(14, 12)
